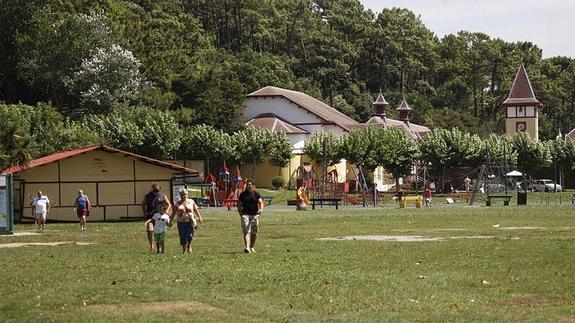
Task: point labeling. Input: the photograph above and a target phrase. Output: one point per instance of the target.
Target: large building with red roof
(300, 115)
(114, 180)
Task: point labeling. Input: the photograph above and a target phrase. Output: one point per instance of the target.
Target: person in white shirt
(160, 220)
(41, 206)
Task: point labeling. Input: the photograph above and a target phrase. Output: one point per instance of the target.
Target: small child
(160, 220)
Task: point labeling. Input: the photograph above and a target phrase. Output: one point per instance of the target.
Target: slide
(301, 195)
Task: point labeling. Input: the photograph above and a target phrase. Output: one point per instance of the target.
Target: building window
(511, 112)
(520, 127)
(520, 112)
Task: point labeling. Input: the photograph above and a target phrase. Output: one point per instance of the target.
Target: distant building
(114, 180)
(522, 107)
(300, 116)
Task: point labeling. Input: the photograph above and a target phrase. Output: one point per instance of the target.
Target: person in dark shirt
(154, 201)
(250, 205)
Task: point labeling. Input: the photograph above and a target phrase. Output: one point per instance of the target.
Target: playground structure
(223, 190)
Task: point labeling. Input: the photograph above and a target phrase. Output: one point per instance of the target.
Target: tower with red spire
(522, 107)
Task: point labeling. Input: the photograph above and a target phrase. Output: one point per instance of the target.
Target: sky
(549, 24)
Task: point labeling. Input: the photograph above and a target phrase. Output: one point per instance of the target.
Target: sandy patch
(52, 244)
(428, 230)
(533, 300)
(383, 238)
(21, 234)
(404, 238)
(155, 307)
(537, 228)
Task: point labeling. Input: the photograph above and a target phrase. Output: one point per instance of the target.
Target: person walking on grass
(152, 201)
(160, 219)
(250, 206)
(427, 197)
(82, 207)
(186, 211)
(41, 207)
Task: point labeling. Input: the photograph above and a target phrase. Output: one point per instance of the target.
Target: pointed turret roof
(404, 106)
(404, 111)
(380, 104)
(521, 92)
(380, 100)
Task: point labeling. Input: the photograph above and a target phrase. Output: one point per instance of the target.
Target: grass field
(521, 270)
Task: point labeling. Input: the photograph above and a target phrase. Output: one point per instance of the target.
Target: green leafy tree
(53, 50)
(319, 143)
(279, 149)
(16, 147)
(140, 130)
(206, 143)
(448, 150)
(359, 148)
(397, 152)
(499, 151)
(252, 147)
(531, 154)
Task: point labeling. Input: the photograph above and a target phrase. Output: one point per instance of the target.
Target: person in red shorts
(82, 207)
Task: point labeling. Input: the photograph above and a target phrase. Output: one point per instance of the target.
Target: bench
(202, 201)
(291, 202)
(417, 199)
(325, 200)
(505, 198)
(268, 199)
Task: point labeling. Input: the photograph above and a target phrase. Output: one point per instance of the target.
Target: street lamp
(559, 137)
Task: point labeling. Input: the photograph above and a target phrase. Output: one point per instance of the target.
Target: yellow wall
(106, 178)
(97, 166)
(45, 173)
(265, 172)
(531, 123)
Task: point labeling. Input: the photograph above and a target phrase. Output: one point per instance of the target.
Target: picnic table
(505, 198)
(325, 200)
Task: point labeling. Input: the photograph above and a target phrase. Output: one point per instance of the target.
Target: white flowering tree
(108, 79)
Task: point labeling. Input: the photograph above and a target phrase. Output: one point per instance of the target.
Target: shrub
(278, 182)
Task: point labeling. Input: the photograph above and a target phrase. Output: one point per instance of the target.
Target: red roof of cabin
(521, 92)
(75, 152)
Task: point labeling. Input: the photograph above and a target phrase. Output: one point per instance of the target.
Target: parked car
(546, 185)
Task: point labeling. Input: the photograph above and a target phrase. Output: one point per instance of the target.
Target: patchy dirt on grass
(404, 238)
(533, 300)
(538, 228)
(155, 307)
(51, 244)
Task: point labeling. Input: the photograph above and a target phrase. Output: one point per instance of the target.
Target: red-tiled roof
(521, 92)
(274, 123)
(75, 152)
(313, 105)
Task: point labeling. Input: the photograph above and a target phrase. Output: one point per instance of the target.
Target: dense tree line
(79, 72)
(199, 58)
(443, 152)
